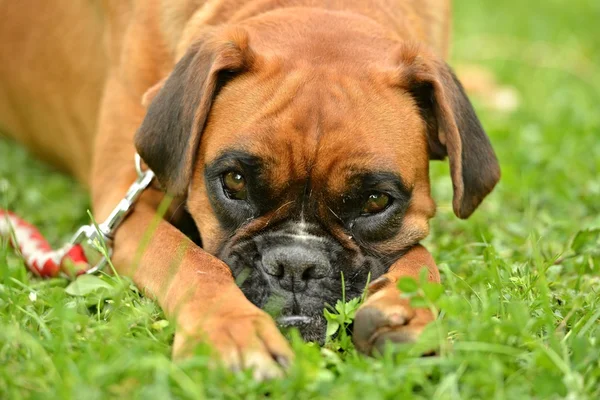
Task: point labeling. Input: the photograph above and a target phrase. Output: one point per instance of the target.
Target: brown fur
(370, 92)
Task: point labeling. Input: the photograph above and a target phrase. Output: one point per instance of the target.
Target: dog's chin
(304, 310)
(311, 328)
(293, 311)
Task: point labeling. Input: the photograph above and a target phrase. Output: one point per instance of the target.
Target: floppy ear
(169, 135)
(453, 128)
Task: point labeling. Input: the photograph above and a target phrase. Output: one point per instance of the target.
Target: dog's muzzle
(293, 271)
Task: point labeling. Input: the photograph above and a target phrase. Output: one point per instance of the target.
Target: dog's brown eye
(376, 202)
(235, 185)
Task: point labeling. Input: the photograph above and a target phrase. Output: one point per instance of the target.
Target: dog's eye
(234, 184)
(376, 202)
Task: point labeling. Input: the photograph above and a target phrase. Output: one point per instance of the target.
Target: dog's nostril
(280, 270)
(275, 269)
(309, 273)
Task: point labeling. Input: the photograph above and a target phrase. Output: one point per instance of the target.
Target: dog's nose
(295, 266)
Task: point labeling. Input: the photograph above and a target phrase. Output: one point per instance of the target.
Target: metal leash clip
(90, 236)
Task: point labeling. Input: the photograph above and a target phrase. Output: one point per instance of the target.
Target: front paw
(387, 317)
(246, 339)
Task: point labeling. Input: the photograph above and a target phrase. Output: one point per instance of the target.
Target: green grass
(520, 312)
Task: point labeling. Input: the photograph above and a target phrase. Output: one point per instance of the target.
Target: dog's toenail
(283, 361)
(396, 319)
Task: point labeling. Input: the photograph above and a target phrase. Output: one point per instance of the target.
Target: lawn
(520, 315)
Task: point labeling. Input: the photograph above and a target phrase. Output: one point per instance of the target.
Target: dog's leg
(194, 288)
(385, 315)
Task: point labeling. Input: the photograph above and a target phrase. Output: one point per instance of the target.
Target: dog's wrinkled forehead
(317, 128)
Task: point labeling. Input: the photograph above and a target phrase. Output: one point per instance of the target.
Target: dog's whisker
(174, 213)
(333, 212)
(274, 214)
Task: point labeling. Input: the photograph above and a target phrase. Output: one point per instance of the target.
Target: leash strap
(37, 252)
(81, 255)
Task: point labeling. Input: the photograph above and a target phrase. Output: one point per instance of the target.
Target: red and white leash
(73, 258)
(37, 253)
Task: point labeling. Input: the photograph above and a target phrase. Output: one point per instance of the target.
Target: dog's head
(303, 151)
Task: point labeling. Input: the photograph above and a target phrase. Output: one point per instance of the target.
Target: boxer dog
(293, 137)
